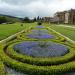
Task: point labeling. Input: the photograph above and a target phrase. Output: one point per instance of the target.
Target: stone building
(54, 19)
(47, 19)
(61, 16)
(66, 16)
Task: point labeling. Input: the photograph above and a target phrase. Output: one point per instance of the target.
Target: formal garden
(37, 50)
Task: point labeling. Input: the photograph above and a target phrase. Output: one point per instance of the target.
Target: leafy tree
(3, 20)
(34, 20)
(38, 18)
(26, 20)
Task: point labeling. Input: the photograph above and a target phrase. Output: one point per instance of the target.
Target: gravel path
(10, 71)
(13, 72)
(66, 26)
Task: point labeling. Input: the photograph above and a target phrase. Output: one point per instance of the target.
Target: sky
(34, 8)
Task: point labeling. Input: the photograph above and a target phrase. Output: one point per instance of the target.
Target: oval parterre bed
(36, 70)
(41, 49)
(50, 36)
(40, 61)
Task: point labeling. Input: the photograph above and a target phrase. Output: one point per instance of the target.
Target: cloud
(32, 8)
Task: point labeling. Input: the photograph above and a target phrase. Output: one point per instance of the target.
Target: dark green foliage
(39, 23)
(27, 20)
(3, 20)
(2, 69)
(9, 19)
(34, 20)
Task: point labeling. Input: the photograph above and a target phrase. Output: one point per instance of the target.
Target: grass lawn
(9, 29)
(48, 62)
(67, 31)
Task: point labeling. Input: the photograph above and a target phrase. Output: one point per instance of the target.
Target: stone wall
(67, 16)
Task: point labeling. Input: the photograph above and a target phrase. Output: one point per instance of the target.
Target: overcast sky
(32, 8)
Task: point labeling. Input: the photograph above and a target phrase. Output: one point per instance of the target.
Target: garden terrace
(52, 56)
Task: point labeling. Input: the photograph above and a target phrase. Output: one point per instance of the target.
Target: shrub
(39, 23)
(2, 69)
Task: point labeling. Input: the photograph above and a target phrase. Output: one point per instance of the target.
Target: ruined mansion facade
(66, 17)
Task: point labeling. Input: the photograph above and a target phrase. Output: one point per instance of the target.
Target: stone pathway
(10, 71)
(13, 72)
(67, 26)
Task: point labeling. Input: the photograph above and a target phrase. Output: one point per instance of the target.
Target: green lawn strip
(67, 40)
(69, 32)
(9, 29)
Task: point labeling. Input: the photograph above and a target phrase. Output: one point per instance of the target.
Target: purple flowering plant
(41, 49)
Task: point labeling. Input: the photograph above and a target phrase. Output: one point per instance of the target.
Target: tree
(3, 20)
(38, 18)
(34, 20)
(26, 20)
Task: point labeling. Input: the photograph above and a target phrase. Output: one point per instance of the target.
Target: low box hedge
(2, 69)
(40, 61)
(47, 67)
(36, 70)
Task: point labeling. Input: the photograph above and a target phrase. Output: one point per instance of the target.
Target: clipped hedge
(36, 70)
(10, 38)
(23, 37)
(2, 69)
(59, 38)
(56, 39)
(66, 40)
(40, 61)
(52, 66)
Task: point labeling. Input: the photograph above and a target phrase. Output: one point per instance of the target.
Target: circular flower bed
(40, 27)
(40, 36)
(41, 49)
(40, 31)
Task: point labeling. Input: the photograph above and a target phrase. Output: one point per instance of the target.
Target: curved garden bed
(38, 65)
(36, 70)
(40, 61)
